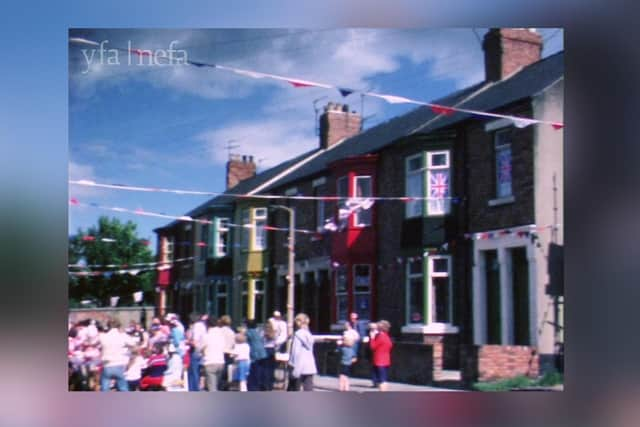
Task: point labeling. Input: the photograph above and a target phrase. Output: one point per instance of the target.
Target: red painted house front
(353, 251)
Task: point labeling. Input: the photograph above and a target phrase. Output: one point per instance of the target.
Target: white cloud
(269, 141)
(78, 172)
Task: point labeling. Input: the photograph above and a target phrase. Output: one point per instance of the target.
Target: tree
(110, 243)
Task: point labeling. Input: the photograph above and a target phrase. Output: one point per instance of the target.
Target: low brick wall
(411, 362)
(124, 314)
(497, 362)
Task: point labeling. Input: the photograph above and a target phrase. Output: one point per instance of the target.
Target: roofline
(469, 97)
(294, 167)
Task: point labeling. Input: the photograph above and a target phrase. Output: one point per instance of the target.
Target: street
(360, 385)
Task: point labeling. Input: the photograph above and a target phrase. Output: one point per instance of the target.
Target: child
(133, 374)
(241, 353)
(172, 380)
(347, 355)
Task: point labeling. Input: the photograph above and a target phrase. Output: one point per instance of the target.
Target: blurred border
(602, 66)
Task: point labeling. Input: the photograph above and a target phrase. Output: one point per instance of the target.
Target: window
(167, 248)
(342, 296)
(438, 183)
(259, 232)
(221, 237)
(319, 209)
(244, 308)
(258, 300)
(440, 288)
(342, 187)
(221, 298)
(205, 242)
(363, 184)
(429, 301)
(244, 235)
(415, 291)
(502, 142)
(362, 290)
(414, 184)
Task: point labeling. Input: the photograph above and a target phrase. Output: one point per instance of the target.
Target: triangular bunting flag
(557, 126)
(522, 123)
(345, 92)
(297, 83)
(440, 109)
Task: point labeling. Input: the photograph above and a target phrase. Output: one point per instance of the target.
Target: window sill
(431, 328)
(502, 201)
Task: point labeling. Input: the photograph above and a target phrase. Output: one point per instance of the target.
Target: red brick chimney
(239, 168)
(506, 50)
(337, 123)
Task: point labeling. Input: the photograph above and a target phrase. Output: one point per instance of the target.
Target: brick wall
(497, 362)
(306, 246)
(337, 123)
(509, 49)
(411, 363)
(480, 160)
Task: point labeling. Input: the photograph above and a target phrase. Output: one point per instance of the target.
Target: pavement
(361, 385)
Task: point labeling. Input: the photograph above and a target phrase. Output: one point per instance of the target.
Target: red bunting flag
(88, 238)
(296, 83)
(440, 109)
(557, 126)
(73, 201)
(202, 244)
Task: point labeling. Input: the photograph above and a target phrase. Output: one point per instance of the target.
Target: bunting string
(186, 218)
(89, 183)
(301, 83)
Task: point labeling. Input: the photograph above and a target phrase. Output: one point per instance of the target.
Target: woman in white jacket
(302, 362)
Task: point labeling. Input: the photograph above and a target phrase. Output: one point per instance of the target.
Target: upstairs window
(414, 184)
(362, 217)
(221, 237)
(438, 183)
(502, 145)
(259, 232)
(204, 238)
(167, 249)
(244, 235)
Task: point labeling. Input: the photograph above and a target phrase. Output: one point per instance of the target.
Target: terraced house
(470, 277)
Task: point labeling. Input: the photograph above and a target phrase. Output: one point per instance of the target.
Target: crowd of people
(210, 355)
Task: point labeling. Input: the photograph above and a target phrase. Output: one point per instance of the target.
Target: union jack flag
(439, 185)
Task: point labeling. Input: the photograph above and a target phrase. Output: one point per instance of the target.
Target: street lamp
(290, 287)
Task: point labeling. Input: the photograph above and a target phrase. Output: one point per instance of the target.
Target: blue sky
(166, 126)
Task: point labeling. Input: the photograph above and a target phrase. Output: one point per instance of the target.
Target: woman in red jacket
(381, 345)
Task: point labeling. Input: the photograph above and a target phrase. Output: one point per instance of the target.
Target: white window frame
(168, 243)
(259, 214)
(356, 216)
(410, 206)
(220, 247)
(432, 274)
(439, 207)
(408, 277)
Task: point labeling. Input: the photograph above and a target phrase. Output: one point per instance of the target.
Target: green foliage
(548, 380)
(127, 249)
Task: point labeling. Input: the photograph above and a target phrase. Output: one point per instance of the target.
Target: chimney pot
(507, 50)
(239, 168)
(336, 127)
